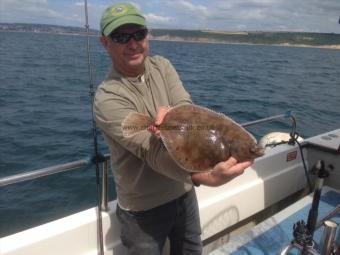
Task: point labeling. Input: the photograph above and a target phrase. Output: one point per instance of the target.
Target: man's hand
(222, 173)
(162, 111)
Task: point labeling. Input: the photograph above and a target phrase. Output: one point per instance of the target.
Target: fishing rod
(287, 114)
(97, 158)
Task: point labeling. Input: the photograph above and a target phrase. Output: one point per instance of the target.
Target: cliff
(329, 40)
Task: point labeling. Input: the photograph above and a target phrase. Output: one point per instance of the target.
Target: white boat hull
(271, 178)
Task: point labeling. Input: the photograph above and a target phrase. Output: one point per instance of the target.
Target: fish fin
(134, 123)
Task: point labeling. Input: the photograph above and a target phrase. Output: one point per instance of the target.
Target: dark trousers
(145, 232)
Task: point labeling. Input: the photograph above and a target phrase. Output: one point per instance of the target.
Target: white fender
(276, 137)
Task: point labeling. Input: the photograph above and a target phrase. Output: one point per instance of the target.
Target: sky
(226, 15)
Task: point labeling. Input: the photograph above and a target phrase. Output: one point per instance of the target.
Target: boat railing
(30, 175)
(35, 174)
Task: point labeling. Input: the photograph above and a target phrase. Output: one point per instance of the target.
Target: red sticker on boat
(291, 156)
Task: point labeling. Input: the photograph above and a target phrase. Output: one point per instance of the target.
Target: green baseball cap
(118, 15)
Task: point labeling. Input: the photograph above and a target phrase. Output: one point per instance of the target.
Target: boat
(272, 185)
(283, 186)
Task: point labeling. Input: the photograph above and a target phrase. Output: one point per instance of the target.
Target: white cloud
(41, 11)
(155, 19)
(190, 7)
(306, 15)
(81, 4)
(271, 15)
(136, 5)
(31, 1)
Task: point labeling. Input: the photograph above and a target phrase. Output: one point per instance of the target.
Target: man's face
(128, 58)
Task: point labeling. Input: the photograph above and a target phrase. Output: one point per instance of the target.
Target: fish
(198, 138)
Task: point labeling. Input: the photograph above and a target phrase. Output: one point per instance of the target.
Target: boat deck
(273, 234)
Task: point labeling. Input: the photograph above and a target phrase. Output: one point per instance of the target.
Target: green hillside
(292, 38)
(272, 38)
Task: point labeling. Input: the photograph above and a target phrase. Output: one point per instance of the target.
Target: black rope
(294, 139)
(97, 158)
(303, 162)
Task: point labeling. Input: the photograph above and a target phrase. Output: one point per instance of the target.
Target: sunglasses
(122, 38)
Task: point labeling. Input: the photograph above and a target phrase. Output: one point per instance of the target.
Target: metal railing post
(104, 202)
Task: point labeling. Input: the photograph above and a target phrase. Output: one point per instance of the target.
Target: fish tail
(135, 123)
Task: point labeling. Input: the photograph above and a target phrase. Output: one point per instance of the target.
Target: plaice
(198, 138)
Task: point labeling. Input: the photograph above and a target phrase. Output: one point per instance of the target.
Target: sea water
(45, 107)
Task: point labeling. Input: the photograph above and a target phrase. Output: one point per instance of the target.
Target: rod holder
(328, 237)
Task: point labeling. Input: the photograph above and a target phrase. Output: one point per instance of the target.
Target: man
(156, 198)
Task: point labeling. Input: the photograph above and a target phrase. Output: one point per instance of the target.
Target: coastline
(192, 40)
(203, 40)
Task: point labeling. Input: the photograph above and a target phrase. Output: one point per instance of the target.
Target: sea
(46, 119)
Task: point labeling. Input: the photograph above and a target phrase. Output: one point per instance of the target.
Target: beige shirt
(145, 174)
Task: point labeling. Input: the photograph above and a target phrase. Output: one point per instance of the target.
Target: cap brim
(131, 19)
